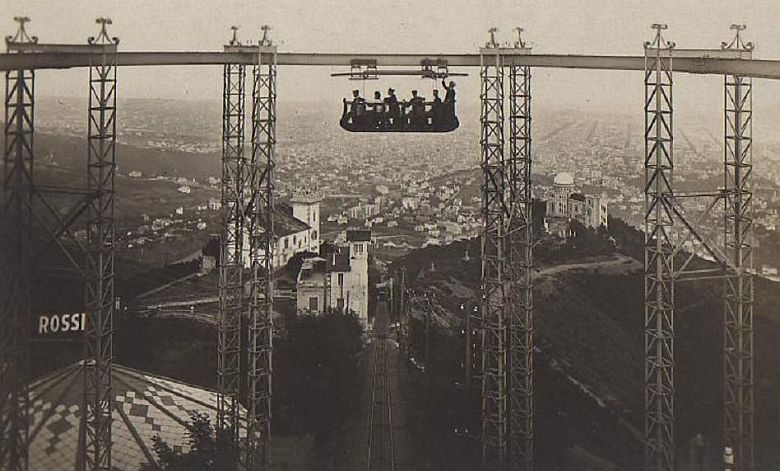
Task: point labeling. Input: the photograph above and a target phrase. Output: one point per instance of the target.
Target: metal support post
(231, 289)
(520, 242)
(15, 283)
(738, 286)
(494, 258)
(659, 246)
(261, 246)
(101, 168)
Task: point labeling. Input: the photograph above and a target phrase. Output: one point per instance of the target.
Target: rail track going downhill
(380, 454)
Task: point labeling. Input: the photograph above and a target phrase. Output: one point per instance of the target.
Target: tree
(208, 449)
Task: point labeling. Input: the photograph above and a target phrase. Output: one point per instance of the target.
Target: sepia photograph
(390, 235)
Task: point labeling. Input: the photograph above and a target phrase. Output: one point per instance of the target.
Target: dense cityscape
(412, 190)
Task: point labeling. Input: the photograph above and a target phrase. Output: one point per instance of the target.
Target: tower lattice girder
(659, 267)
(494, 262)
(520, 236)
(260, 219)
(738, 276)
(231, 288)
(101, 168)
(15, 282)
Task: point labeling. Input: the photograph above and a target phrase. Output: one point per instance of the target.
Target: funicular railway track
(380, 454)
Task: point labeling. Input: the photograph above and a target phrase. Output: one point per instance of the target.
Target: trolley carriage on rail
(415, 114)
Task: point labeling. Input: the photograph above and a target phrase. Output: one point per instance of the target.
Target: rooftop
(358, 235)
(285, 223)
(145, 405)
(563, 178)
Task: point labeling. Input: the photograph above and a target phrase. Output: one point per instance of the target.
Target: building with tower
(306, 208)
(296, 227)
(565, 202)
(338, 278)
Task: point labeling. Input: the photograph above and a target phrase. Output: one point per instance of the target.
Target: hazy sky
(429, 26)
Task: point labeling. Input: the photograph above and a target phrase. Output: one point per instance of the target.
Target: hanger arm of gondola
(417, 73)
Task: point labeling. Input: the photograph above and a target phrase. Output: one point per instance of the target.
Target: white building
(214, 204)
(565, 202)
(339, 280)
(410, 202)
(296, 227)
(363, 211)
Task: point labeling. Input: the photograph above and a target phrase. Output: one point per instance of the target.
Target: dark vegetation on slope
(589, 367)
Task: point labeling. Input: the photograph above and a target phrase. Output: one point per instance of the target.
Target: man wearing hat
(357, 109)
(393, 108)
(449, 100)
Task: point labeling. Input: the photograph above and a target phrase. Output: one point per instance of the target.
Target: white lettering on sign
(61, 323)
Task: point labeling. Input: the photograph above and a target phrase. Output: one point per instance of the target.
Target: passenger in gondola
(417, 113)
(393, 108)
(450, 96)
(357, 110)
(449, 100)
(437, 111)
(379, 109)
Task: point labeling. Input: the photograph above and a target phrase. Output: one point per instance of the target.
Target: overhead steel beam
(691, 61)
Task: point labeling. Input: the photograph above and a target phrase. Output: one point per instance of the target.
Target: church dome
(564, 179)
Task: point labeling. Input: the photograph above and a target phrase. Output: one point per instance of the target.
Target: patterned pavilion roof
(145, 405)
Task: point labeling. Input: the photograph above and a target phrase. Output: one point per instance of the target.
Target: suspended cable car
(393, 115)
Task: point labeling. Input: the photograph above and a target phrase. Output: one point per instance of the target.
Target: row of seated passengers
(390, 112)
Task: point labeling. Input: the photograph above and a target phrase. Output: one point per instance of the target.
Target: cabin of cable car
(415, 114)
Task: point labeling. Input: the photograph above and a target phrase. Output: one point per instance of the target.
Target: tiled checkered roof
(145, 405)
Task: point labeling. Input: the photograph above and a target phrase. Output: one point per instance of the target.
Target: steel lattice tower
(494, 258)
(659, 269)
(520, 241)
(738, 295)
(231, 289)
(15, 297)
(100, 252)
(261, 247)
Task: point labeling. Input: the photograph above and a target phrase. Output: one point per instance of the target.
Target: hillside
(589, 320)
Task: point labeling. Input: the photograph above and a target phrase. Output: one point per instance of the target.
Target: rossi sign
(61, 325)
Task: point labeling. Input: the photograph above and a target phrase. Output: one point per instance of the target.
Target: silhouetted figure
(417, 114)
(357, 110)
(379, 110)
(450, 96)
(437, 111)
(697, 453)
(393, 108)
(449, 100)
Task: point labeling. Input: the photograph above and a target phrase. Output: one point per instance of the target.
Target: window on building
(286, 243)
(313, 234)
(341, 279)
(314, 304)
